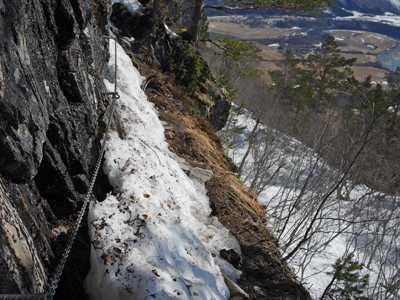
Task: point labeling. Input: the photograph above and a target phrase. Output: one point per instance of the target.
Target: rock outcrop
(52, 67)
(212, 104)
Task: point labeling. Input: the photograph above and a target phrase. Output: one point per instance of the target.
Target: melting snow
(154, 237)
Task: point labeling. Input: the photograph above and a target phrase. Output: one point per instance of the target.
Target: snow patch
(395, 3)
(154, 237)
(170, 33)
(133, 6)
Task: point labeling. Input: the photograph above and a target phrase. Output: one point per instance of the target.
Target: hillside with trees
(341, 181)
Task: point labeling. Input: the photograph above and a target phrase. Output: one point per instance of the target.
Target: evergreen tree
(291, 88)
(347, 282)
(239, 58)
(323, 76)
(285, 79)
(328, 73)
(186, 64)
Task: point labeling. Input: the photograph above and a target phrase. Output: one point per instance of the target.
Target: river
(391, 58)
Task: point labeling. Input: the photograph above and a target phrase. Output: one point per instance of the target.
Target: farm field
(273, 41)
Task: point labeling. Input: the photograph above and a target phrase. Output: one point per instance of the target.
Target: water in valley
(391, 58)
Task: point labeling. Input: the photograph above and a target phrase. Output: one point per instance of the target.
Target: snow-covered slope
(154, 237)
(297, 179)
(370, 6)
(395, 3)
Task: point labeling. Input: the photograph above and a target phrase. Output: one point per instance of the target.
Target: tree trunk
(251, 141)
(155, 14)
(194, 26)
(328, 288)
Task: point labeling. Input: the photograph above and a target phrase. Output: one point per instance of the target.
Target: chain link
(51, 289)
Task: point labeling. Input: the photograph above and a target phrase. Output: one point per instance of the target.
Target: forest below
(321, 149)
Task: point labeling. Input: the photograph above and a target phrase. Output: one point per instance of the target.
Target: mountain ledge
(52, 72)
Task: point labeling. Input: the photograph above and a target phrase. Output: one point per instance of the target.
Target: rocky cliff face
(52, 68)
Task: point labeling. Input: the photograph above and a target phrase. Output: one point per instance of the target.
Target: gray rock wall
(52, 67)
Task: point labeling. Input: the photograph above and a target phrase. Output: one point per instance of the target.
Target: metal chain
(51, 289)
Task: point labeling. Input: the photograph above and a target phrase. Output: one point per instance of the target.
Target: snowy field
(153, 238)
(365, 224)
(387, 18)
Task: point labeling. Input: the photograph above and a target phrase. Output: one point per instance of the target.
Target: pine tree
(291, 87)
(347, 282)
(239, 59)
(328, 73)
(324, 74)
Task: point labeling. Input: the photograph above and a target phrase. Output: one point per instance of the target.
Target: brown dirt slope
(265, 274)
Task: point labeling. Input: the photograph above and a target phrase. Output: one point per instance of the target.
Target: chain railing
(51, 289)
(55, 279)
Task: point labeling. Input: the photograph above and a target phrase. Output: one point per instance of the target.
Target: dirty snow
(153, 237)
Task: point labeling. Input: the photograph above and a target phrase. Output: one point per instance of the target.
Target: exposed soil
(265, 273)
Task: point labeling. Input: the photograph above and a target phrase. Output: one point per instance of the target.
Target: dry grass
(198, 143)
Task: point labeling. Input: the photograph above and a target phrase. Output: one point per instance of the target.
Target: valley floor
(273, 41)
